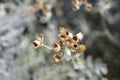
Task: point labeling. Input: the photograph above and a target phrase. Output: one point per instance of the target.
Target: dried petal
(67, 51)
(79, 35)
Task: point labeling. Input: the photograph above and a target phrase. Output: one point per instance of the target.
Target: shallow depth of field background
(18, 26)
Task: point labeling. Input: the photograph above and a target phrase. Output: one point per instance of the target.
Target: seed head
(55, 47)
(62, 36)
(81, 48)
(36, 43)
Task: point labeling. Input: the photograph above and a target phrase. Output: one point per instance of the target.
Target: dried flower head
(66, 48)
(88, 7)
(81, 48)
(55, 47)
(62, 36)
(36, 43)
(57, 57)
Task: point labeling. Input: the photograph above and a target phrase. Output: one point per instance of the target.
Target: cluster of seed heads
(77, 3)
(66, 47)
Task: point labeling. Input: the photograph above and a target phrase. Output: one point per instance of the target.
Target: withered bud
(88, 7)
(63, 30)
(81, 48)
(83, 1)
(36, 43)
(57, 57)
(55, 47)
(40, 37)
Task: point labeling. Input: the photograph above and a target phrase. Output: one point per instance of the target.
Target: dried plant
(66, 47)
(77, 3)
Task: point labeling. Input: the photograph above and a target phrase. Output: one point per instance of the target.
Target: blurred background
(21, 20)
